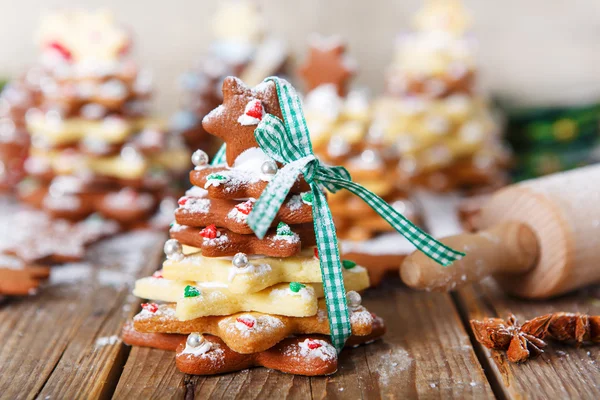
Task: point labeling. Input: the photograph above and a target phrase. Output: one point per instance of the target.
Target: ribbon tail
(267, 206)
(434, 249)
(331, 270)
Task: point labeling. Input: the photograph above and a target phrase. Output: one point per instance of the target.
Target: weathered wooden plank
(426, 353)
(150, 374)
(562, 371)
(62, 343)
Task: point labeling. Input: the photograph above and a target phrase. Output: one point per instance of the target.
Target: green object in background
(548, 140)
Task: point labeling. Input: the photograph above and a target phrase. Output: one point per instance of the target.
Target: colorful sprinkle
(191, 291)
(210, 232)
(307, 198)
(347, 264)
(151, 307)
(316, 252)
(284, 229)
(246, 321)
(158, 275)
(245, 207)
(311, 344)
(216, 177)
(255, 109)
(182, 201)
(296, 286)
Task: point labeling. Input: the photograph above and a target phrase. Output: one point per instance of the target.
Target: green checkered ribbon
(219, 158)
(288, 142)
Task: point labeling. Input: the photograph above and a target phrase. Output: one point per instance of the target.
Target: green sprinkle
(307, 198)
(284, 229)
(347, 264)
(191, 291)
(216, 177)
(296, 286)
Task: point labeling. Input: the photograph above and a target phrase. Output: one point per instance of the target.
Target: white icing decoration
(325, 352)
(203, 348)
(196, 191)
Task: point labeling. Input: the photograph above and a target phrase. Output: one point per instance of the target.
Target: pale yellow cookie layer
(217, 299)
(259, 274)
(75, 129)
(62, 163)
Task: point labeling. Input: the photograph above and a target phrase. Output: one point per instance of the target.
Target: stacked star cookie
(94, 146)
(342, 133)
(241, 47)
(226, 300)
(442, 127)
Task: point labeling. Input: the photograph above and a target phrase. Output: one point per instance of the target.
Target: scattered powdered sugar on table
(392, 364)
(107, 341)
(70, 274)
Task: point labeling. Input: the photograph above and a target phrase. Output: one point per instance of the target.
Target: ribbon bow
(288, 142)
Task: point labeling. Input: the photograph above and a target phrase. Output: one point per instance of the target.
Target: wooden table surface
(64, 344)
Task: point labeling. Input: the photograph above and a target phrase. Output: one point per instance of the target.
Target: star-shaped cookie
(327, 63)
(235, 120)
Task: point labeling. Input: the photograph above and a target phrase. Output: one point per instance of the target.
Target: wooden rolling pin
(539, 239)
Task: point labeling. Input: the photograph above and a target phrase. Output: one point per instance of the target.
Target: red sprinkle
(158, 275)
(182, 201)
(313, 345)
(152, 307)
(210, 232)
(246, 207)
(66, 54)
(255, 110)
(316, 253)
(246, 321)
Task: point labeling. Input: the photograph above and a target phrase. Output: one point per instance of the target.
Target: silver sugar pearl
(353, 298)
(200, 158)
(195, 339)
(269, 167)
(240, 260)
(173, 250)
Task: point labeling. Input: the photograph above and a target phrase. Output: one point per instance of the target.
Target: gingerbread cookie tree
(95, 148)
(243, 278)
(248, 294)
(442, 127)
(241, 47)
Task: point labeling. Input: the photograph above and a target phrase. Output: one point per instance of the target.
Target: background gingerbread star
(327, 63)
(235, 120)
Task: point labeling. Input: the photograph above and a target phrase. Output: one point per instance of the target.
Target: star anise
(498, 334)
(565, 327)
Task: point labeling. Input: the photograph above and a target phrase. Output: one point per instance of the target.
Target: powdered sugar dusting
(391, 365)
(196, 206)
(256, 270)
(312, 348)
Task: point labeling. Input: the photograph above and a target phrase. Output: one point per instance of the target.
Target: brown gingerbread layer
(229, 243)
(216, 211)
(235, 190)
